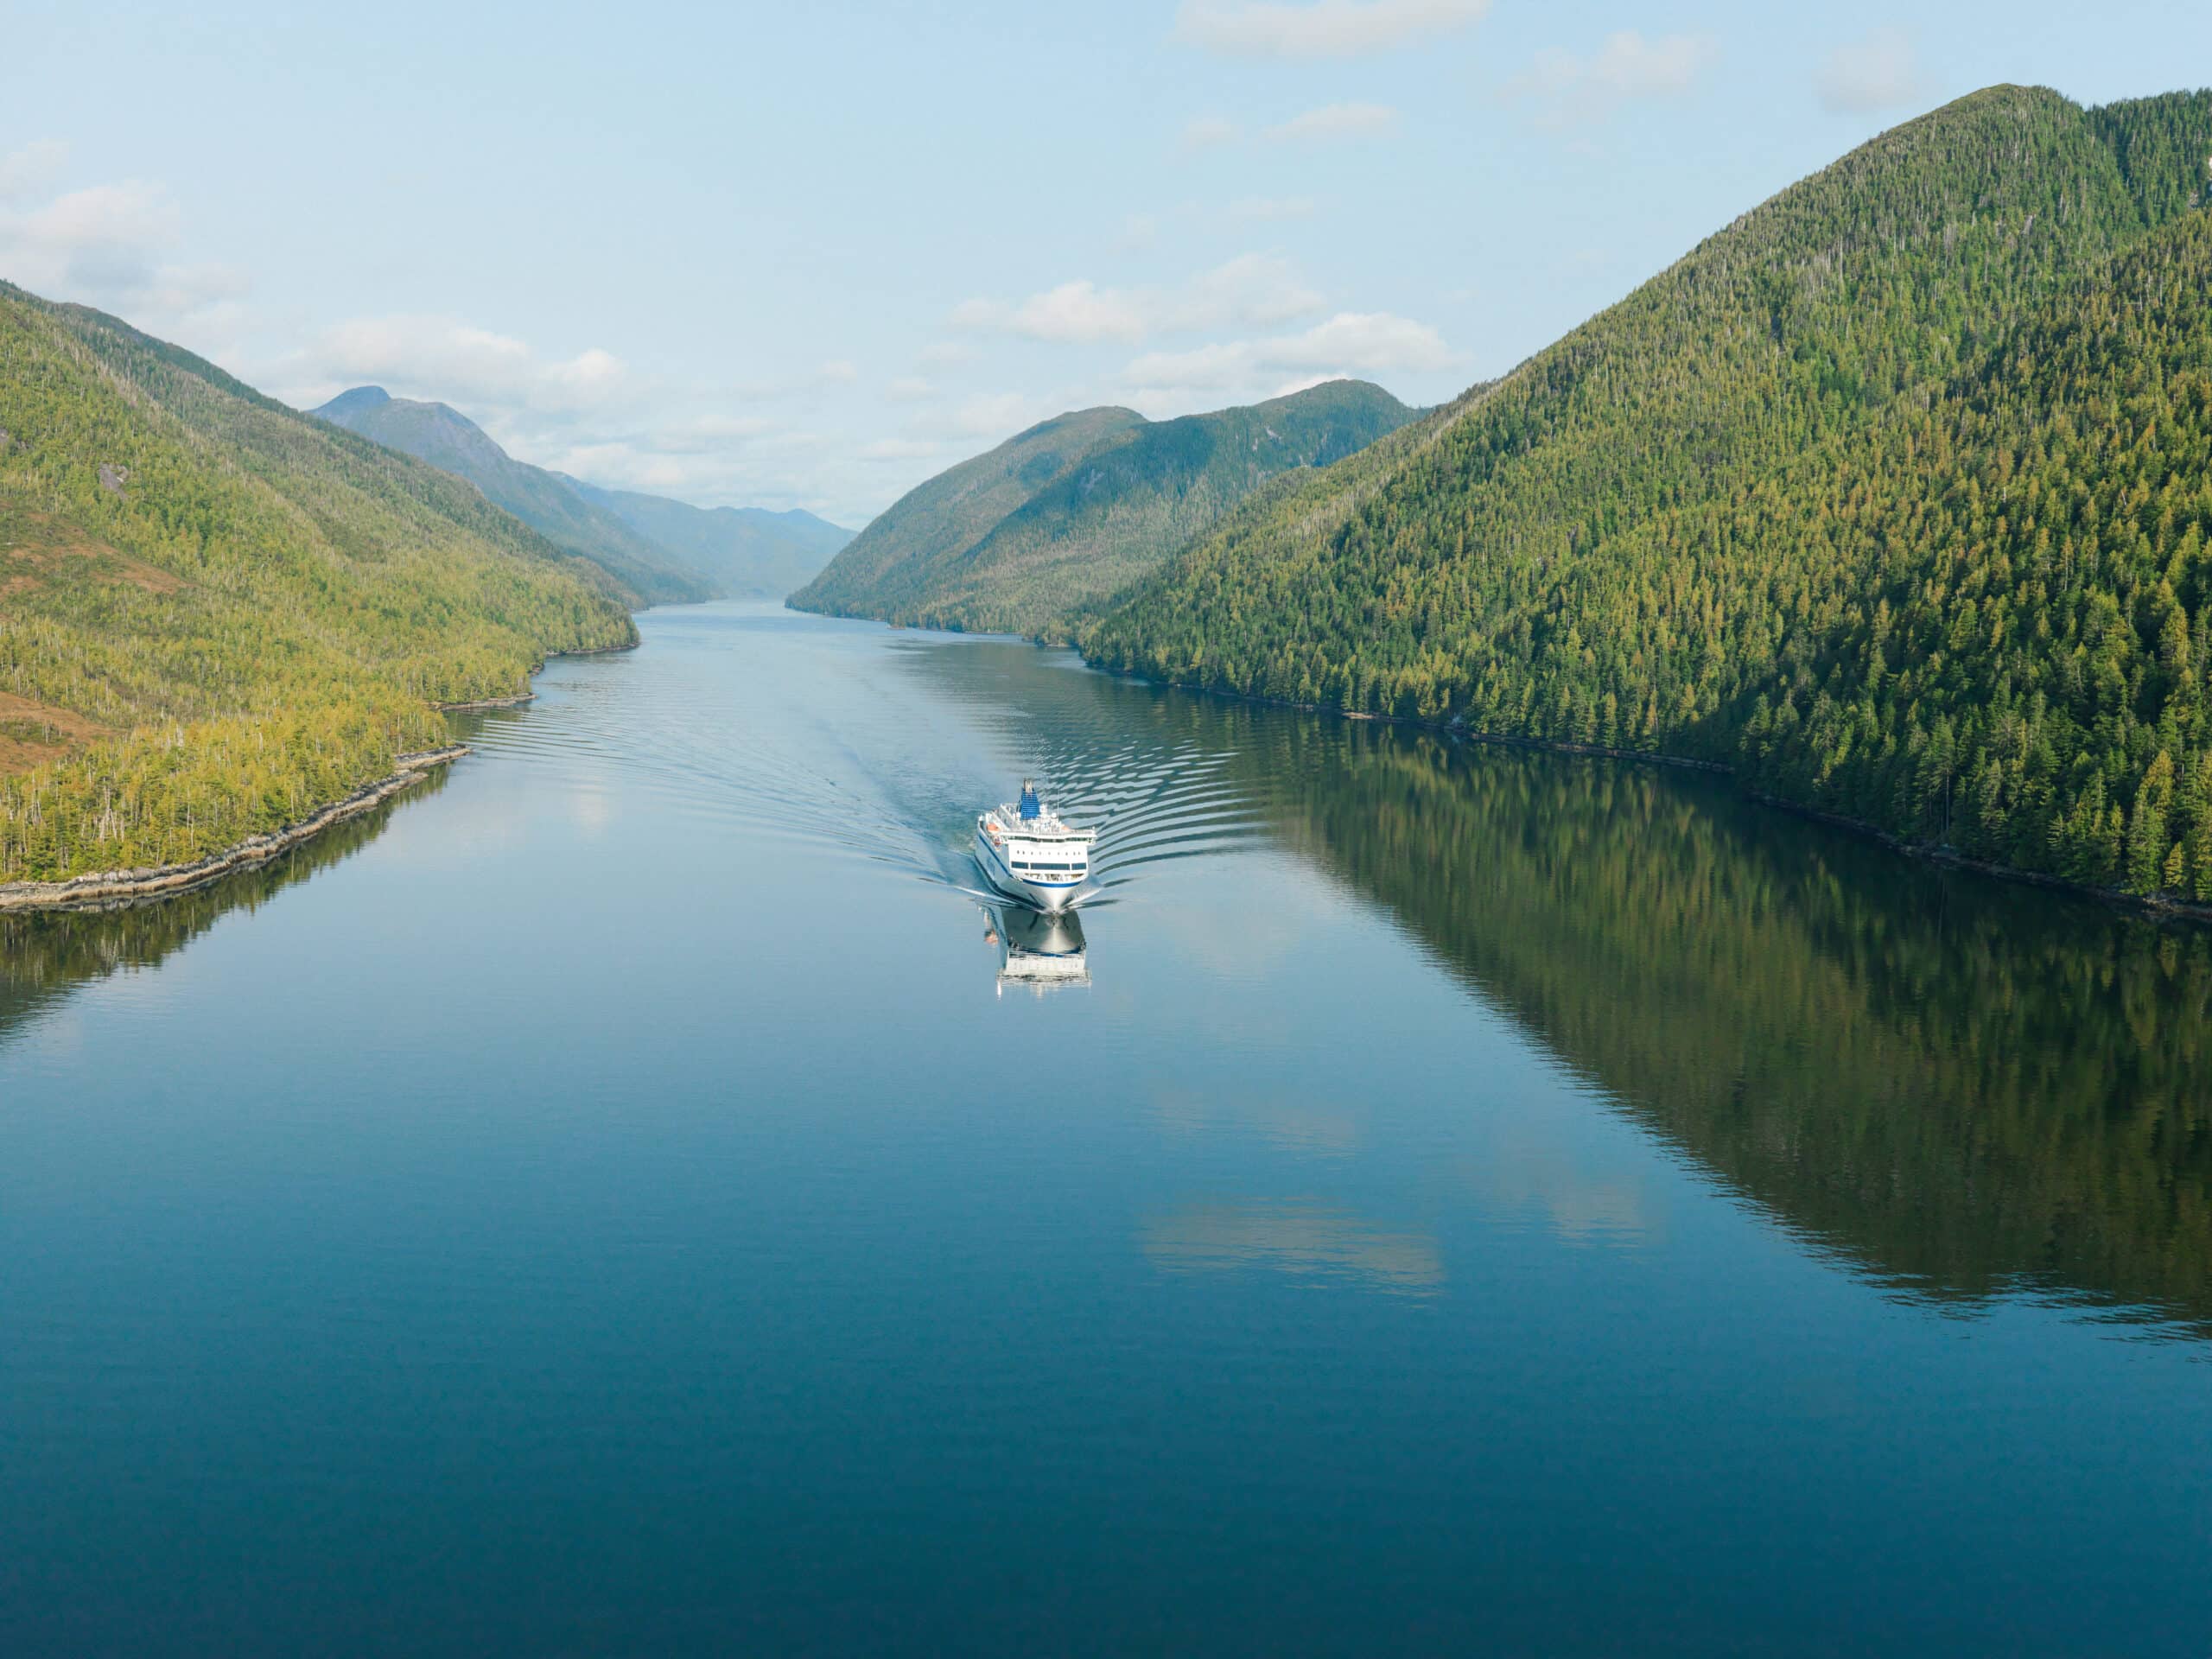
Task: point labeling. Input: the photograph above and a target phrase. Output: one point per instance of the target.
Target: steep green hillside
(880, 572)
(547, 502)
(217, 614)
(746, 552)
(1892, 494)
(1091, 528)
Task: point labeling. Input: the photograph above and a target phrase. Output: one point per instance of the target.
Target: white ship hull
(1049, 895)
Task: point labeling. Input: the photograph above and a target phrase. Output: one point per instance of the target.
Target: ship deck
(1050, 827)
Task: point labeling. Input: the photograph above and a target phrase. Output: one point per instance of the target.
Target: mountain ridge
(1079, 506)
(659, 551)
(748, 552)
(441, 435)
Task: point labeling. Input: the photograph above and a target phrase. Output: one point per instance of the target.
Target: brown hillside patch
(36, 548)
(33, 732)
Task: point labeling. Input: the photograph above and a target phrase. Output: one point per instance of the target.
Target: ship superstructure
(1027, 852)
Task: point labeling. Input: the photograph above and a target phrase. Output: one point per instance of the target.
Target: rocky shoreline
(118, 889)
(113, 889)
(479, 704)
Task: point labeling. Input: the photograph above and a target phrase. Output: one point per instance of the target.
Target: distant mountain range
(745, 552)
(658, 550)
(1077, 508)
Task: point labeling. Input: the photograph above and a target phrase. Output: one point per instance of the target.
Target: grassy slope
(644, 571)
(252, 620)
(1576, 553)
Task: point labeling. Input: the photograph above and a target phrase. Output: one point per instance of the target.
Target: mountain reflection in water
(1962, 1086)
(45, 956)
(1486, 1201)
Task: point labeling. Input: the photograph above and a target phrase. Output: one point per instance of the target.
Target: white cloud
(685, 462)
(624, 466)
(1565, 87)
(588, 413)
(27, 171)
(837, 371)
(1208, 132)
(588, 373)
(1879, 73)
(106, 235)
(177, 292)
(1272, 207)
(708, 434)
(1140, 230)
(109, 245)
(898, 450)
(910, 388)
(994, 415)
(944, 353)
(1325, 29)
(1079, 310)
(1336, 121)
(1251, 289)
(1349, 343)
(481, 373)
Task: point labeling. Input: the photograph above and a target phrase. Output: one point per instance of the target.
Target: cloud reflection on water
(1303, 1238)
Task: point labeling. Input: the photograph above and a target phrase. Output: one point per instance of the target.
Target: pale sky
(808, 255)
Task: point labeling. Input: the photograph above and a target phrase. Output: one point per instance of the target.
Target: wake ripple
(857, 743)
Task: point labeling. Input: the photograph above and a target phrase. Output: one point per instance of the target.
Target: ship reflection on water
(1038, 951)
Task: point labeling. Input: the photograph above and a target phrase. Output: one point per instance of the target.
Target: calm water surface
(631, 1198)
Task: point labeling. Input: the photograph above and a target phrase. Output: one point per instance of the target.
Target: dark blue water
(630, 1198)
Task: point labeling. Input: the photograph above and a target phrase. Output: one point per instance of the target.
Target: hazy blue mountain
(748, 552)
(546, 501)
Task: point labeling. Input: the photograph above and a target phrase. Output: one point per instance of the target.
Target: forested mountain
(746, 552)
(950, 513)
(547, 502)
(1893, 495)
(1074, 510)
(217, 614)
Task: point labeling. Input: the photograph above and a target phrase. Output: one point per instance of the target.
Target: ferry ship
(1027, 853)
